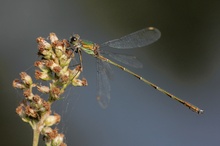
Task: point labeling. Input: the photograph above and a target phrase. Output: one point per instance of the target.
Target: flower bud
(26, 78)
(46, 130)
(17, 84)
(52, 119)
(54, 92)
(28, 94)
(64, 61)
(42, 75)
(43, 89)
(44, 44)
(58, 140)
(53, 37)
(41, 65)
(44, 52)
(20, 111)
(78, 82)
(53, 66)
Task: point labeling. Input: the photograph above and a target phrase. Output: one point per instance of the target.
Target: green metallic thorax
(88, 47)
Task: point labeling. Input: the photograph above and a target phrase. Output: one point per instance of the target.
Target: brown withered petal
(84, 82)
(57, 69)
(42, 75)
(30, 112)
(37, 74)
(64, 79)
(53, 134)
(41, 65)
(78, 68)
(59, 44)
(46, 105)
(55, 90)
(69, 53)
(43, 44)
(41, 48)
(28, 94)
(49, 63)
(37, 99)
(39, 39)
(37, 63)
(66, 42)
(19, 110)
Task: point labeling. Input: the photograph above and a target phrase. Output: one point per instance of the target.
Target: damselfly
(139, 38)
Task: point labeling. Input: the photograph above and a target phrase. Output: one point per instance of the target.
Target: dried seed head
(43, 89)
(64, 79)
(44, 52)
(42, 75)
(66, 42)
(53, 66)
(69, 53)
(28, 94)
(44, 44)
(53, 134)
(20, 111)
(55, 92)
(17, 84)
(52, 137)
(46, 106)
(38, 100)
(57, 69)
(78, 82)
(41, 65)
(26, 78)
(60, 48)
(84, 82)
(53, 37)
(30, 112)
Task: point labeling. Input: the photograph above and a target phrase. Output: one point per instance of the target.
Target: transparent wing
(136, 39)
(103, 86)
(126, 59)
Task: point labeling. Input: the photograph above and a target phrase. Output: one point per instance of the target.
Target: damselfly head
(74, 39)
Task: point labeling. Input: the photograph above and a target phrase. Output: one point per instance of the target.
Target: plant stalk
(36, 135)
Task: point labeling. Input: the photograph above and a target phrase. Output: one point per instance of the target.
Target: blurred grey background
(185, 61)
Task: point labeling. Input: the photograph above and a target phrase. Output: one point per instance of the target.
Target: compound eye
(73, 39)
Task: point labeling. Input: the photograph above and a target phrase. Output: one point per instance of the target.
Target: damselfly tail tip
(195, 109)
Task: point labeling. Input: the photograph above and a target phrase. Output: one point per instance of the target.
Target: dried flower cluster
(53, 68)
